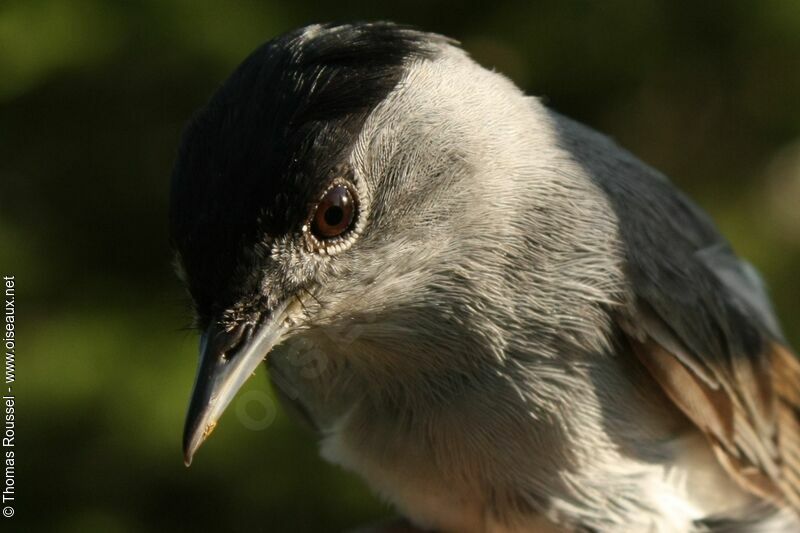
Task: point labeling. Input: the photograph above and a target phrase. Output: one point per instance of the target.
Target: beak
(227, 359)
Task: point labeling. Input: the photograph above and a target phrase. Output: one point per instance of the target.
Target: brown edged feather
(749, 411)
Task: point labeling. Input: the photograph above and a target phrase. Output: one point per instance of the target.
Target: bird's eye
(334, 214)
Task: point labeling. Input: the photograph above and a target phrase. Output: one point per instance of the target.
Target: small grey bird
(497, 317)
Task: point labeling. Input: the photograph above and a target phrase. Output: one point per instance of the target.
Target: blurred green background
(93, 96)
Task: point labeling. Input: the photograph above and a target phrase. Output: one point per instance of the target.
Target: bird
(498, 318)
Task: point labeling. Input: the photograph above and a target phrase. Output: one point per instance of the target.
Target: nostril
(231, 340)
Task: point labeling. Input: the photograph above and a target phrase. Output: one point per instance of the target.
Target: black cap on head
(254, 156)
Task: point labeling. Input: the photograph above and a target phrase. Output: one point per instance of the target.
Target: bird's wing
(701, 322)
(746, 404)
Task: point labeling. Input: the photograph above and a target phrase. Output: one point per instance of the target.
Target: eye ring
(333, 218)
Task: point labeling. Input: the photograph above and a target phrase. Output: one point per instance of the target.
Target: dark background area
(93, 96)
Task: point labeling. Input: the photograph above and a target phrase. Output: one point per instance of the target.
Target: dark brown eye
(334, 214)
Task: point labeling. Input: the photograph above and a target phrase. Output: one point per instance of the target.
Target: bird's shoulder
(699, 318)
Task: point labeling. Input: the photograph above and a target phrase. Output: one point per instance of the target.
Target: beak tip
(193, 439)
(190, 445)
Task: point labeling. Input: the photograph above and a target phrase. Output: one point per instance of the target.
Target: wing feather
(748, 406)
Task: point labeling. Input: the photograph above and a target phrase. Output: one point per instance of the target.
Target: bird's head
(357, 178)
